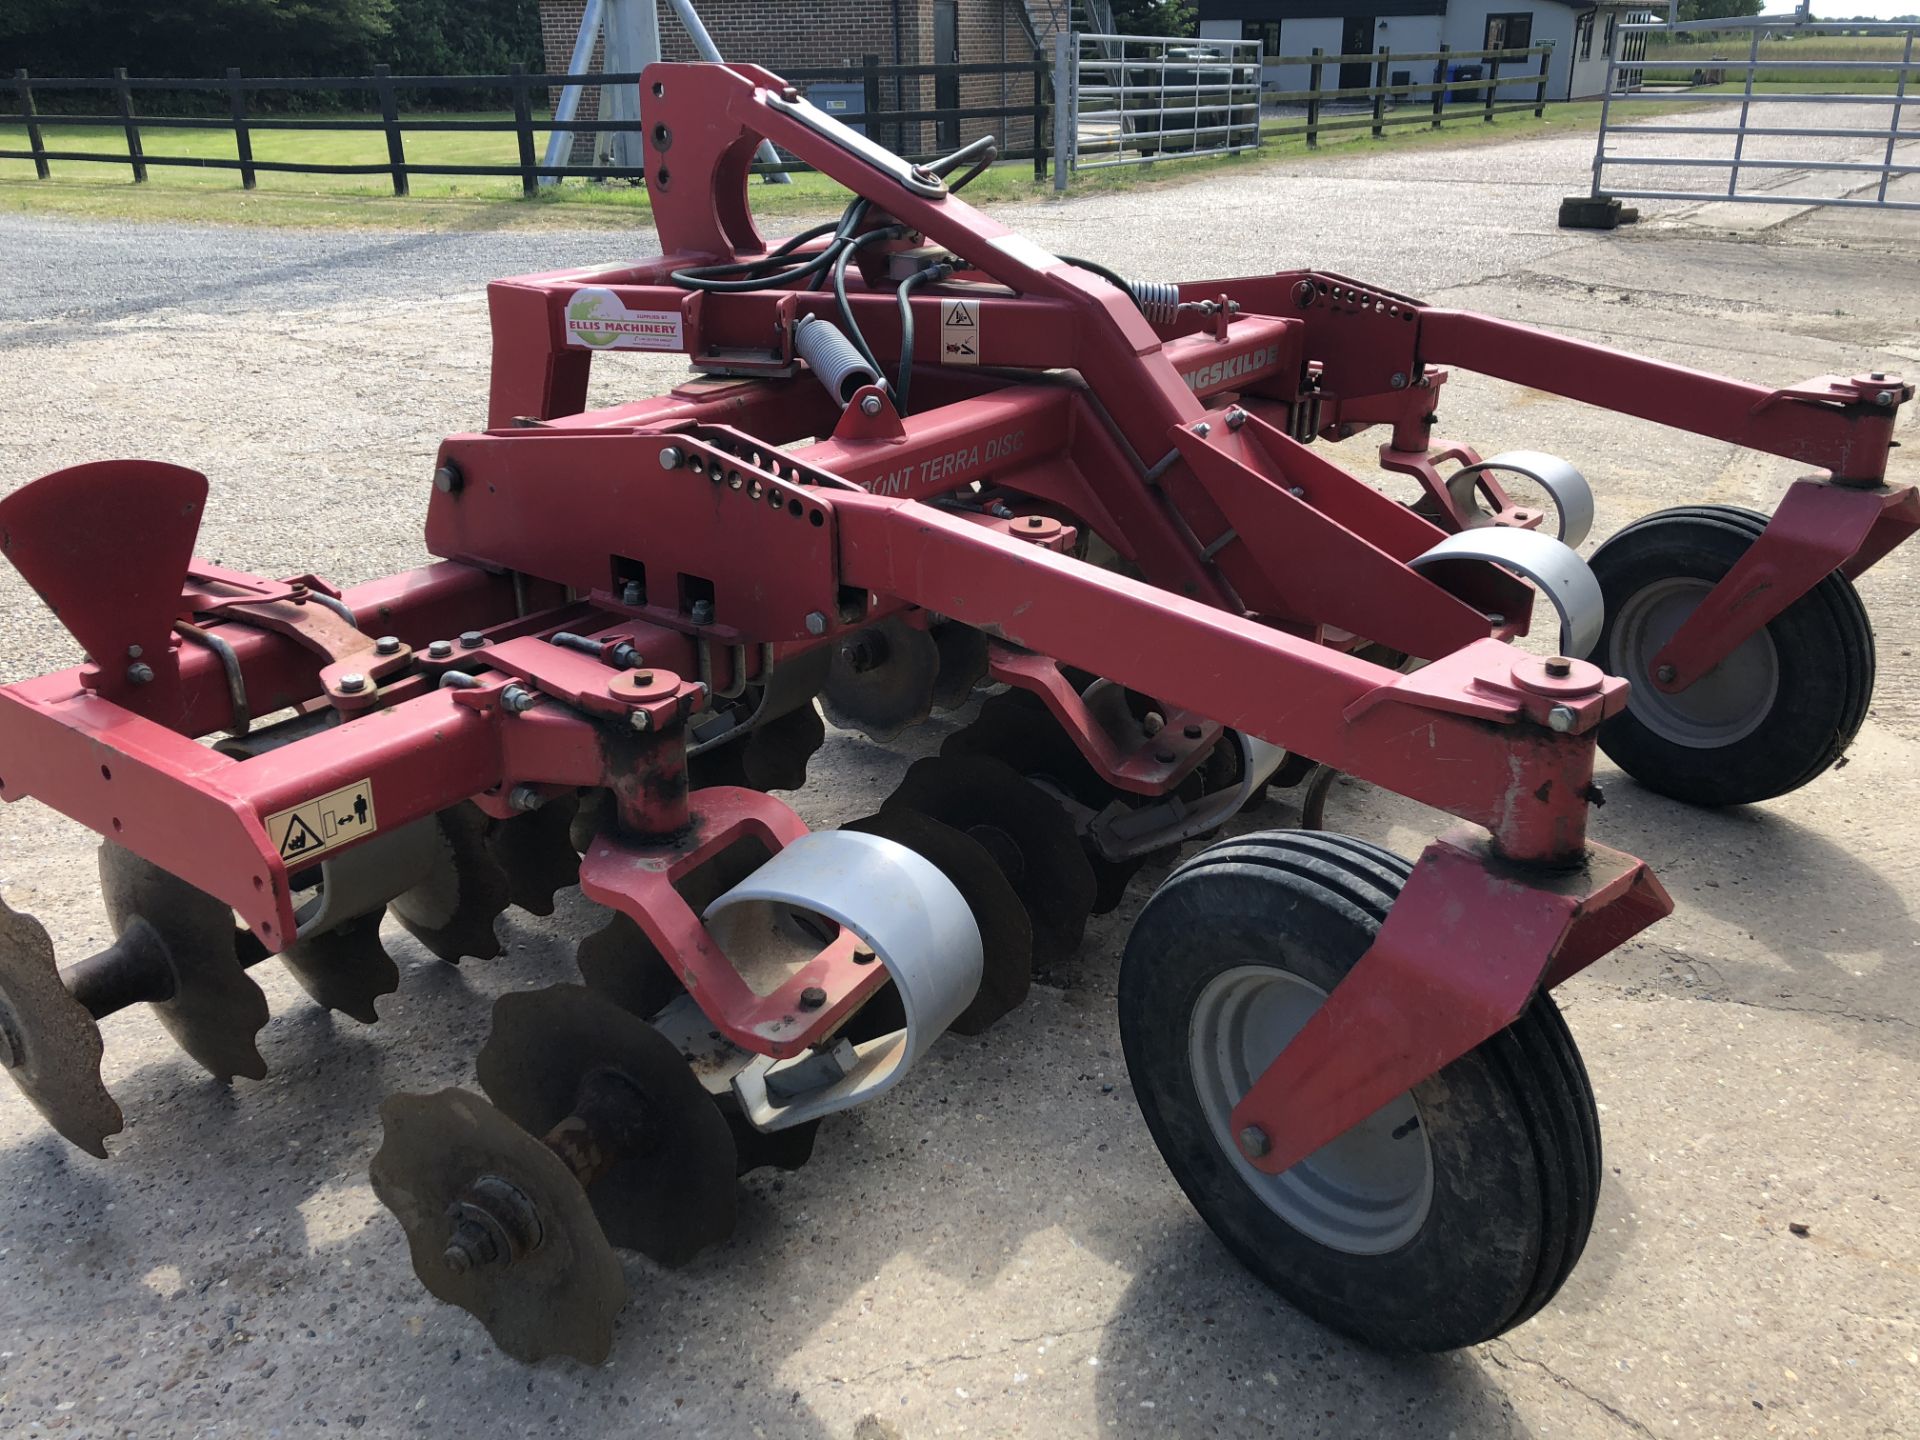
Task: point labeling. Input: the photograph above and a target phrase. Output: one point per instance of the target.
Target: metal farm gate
(1129, 99)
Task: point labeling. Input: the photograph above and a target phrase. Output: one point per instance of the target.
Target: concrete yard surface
(995, 1248)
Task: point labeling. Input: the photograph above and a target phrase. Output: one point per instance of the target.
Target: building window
(1612, 20)
(1267, 32)
(1583, 36)
(1509, 32)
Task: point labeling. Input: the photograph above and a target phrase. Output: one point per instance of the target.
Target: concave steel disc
(345, 968)
(453, 910)
(621, 964)
(1026, 833)
(668, 1196)
(1006, 934)
(890, 688)
(215, 1011)
(560, 1296)
(963, 664)
(49, 1044)
(535, 853)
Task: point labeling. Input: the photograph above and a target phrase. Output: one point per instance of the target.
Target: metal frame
(1124, 112)
(1907, 68)
(700, 531)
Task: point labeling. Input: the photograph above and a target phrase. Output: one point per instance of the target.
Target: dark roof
(1315, 9)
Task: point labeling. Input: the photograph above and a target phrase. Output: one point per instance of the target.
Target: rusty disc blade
(881, 679)
(963, 664)
(216, 1010)
(345, 968)
(1006, 934)
(1026, 833)
(536, 854)
(560, 1296)
(669, 1196)
(622, 965)
(453, 910)
(49, 1044)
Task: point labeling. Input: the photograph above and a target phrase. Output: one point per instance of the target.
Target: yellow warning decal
(325, 824)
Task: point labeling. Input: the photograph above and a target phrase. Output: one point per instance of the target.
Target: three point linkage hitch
(921, 456)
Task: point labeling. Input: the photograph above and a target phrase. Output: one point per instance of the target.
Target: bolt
(1560, 719)
(352, 684)
(702, 612)
(1236, 417)
(1878, 375)
(1494, 617)
(1665, 674)
(816, 623)
(670, 458)
(870, 406)
(387, 645)
(631, 594)
(1559, 666)
(1036, 522)
(1399, 381)
(625, 657)
(134, 652)
(1192, 732)
(516, 700)
(812, 998)
(471, 639)
(1165, 757)
(1203, 429)
(468, 1246)
(1885, 397)
(524, 798)
(440, 650)
(863, 955)
(1153, 722)
(1303, 294)
(1298, 492)
(139, 673)
(1253, 1142)
(641, 721)
(448, 480)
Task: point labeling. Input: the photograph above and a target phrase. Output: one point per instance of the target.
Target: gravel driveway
(995, 1248)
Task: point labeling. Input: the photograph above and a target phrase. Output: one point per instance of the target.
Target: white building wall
(1297, 37)
(1466, 29)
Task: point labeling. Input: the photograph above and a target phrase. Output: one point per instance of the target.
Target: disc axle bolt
(1253, 1142)
(1559, 667)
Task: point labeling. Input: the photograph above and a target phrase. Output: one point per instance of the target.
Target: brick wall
(823, 34)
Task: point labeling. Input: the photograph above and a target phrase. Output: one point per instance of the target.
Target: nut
(1253, 1142)
(812, 998)
(516, 700)
(701, 612)
(870, 405)
(1560, 719)
(1399, 381)
(1664, 674)
(1559, 666)
(1885, 397)
(139, 673)
(387, 645)
(1203, 429)
(440, 650)
(816, 623)
(448, 480)
(524, 798)
(471, 639)
(352, 684)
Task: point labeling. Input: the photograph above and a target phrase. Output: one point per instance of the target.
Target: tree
(1718, 9)
(1153, 17)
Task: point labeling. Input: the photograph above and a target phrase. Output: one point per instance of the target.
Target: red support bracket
(1819, 528)
(1465, 948)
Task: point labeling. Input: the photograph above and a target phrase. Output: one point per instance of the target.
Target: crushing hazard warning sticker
(325, 824)
(959, 332)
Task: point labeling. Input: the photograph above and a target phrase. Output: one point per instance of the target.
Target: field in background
(1670, 61)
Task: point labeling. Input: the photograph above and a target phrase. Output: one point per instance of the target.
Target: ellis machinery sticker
(598, 321)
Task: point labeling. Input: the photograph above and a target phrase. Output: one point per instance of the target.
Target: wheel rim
(1366, 1192)
(1724, 705)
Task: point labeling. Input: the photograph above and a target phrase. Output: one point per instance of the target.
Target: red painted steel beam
(1845, 432)
(1466, 735)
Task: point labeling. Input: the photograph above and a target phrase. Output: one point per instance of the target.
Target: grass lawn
(196, 193)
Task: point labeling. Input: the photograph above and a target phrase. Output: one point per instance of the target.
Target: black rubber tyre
(1818, 654)
(1511, 1130)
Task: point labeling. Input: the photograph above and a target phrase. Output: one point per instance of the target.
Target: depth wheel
(1454, 1213)
(1767, 719)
